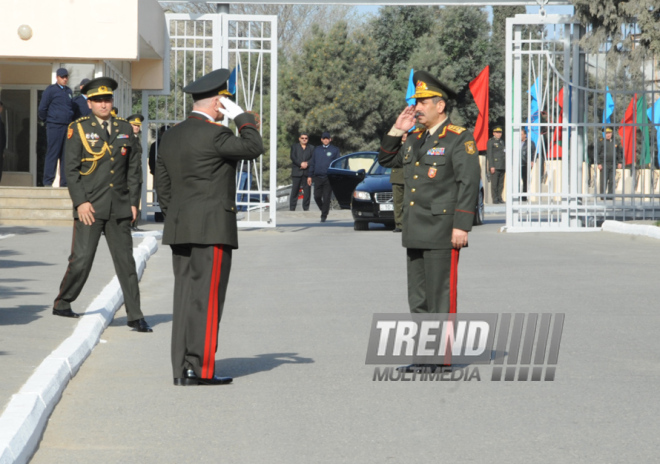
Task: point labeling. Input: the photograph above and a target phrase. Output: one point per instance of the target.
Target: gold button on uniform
(417, 163)
(413, 190)
(110, 146)
(415, 176)
(444, 210)
(112, 172)
(412, 203)
(111, 185)
(112, 159)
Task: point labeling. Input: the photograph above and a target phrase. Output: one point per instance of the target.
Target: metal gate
(198, 45)
(556, 94)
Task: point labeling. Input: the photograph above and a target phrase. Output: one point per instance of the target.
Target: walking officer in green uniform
(196, 185)
(609, 155)
(441, 184)
(102, 174)
(496, 155)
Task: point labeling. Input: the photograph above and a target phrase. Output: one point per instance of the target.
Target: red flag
(479, 89)
(628, 134)
(556, 144)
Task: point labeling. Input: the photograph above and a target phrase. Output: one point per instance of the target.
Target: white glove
(231, 109)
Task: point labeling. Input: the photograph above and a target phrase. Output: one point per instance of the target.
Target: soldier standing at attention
(102, 168)
(609, 155)
(196, 185)
(496, 156)
(441, 185)
(56, 109)
(136, 123)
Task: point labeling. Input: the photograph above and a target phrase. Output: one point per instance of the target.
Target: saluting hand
(406, 119)
(86, 213)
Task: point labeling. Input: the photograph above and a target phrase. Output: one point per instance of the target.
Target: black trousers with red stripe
(201, 275)
(432, 280)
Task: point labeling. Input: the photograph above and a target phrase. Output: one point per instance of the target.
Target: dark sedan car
(360, 183)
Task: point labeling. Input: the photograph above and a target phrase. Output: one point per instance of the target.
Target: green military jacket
(496, 154)
(610, 152)
(396, 176)
(196, 178)
(441, 183)
(102, 168)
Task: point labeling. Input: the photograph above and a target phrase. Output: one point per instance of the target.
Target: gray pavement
(294, 336)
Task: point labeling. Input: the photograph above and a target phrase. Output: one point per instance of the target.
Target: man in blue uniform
(80, 107)
(56, 109)
(318, 173)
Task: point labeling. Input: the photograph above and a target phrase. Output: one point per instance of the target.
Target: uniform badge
(436, 151)
(470, 148)
(123, 151)
(69, 133)
(432, 172)
(122, 136)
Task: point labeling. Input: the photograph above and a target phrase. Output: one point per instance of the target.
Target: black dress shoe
(322, 219)
(65, 313)
(398, 229)
(190, 378)
(140, 325)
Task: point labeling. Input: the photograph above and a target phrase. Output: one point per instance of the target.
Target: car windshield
(377, 170)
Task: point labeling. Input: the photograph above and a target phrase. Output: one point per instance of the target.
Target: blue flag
(411, 89)
(654, 115)
(231, 84)
(609, 108)
(534, 116)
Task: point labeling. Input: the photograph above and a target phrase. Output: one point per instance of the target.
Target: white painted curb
(631, 229)
(24, 419)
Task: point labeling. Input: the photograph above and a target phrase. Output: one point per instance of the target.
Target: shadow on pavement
(12, 290)
(21, 315)
(18, 230)
(152, 319)
(240, 367)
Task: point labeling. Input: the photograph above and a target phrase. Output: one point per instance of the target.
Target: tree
(333, 85)
(456, 51)
(396, 31)
(608, 21)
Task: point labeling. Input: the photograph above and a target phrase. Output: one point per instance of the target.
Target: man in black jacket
(318, 173)
(301, 154)
(196, 185)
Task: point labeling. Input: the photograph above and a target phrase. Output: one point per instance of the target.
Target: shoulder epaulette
(82, 118)
(417, 131)
(121, 119)
(456, 129)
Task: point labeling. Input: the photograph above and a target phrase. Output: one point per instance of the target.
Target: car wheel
(479, 211)
(360, 225)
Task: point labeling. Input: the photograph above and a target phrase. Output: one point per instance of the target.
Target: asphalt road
(294, 336)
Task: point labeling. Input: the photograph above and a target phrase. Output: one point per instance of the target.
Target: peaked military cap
(136, 119)
(609, 129)
(428, 86)
(210, 85)
(497, 129)
(99, 87)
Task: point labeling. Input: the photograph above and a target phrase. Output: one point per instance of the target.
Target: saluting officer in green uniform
(441, 183)
(103, 180)
(496, 155)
